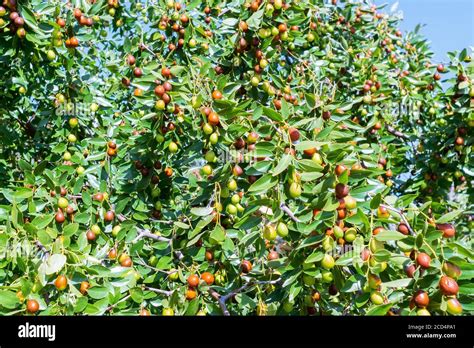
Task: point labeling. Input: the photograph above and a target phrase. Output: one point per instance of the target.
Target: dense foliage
(231, 157)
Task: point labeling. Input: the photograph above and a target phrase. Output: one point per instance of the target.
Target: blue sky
(449, 23)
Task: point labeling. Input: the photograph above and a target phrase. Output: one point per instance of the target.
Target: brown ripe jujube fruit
(84, 287)
(159, 90)
(377, 230)
(77, 13)
(421, 299)
(125, 261)
(137, 72)
(32, 306)
(74, 42)
(294, 134)
(69, 210)
(423, 260)
(61, 22)
(213, 119)
(239, 143)
(167, 86)
(246, 266)
(166, 72)
(209, 255)
(191, 294)
(216, 94)
(448, 230)
(365, 254)
(410, 270)
(208, 278)
(341, 190)
(272, 255)
(83, 20)
(403, 228)
(130, 60)
(193, 280)
(90, 235)
(448, 286)
(144, 312)
(61, 282)
(112, 254)
(109, 216)
(168, 172)
(316, 296)
(59, 217)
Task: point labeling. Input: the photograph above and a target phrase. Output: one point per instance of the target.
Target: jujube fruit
(61, 282)
(423, 260)
(448, 286)
(421, 298)
(208, 278)
(193, 280)
(32, 306)
(246, 266)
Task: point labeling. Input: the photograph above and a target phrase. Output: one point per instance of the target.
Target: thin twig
(399, 212)
(144, 233)
(288, 212)
(109, 308)
(147, 234)
(398, 134)
(40, 246)
(160, 291)
(222, 299)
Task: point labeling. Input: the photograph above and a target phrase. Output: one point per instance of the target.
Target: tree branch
(222, 299)
(147, 234)
(398, 134)
(403, 217)
(42, 248)
(142, 233)
(289, 212)
(160, 291)
(109, 308)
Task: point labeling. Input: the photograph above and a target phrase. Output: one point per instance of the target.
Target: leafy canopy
(299, 157)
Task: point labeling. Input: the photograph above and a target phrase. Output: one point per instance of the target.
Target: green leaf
(399, 283)
(137, 295)
(201, 211)
(382, 255)
(272, 114)
(386, 235)
(71, 229)
(8, 299)
(54, 263)
(379, 310)
(265, 183)
(315, 257)
(449, 216)
(98, 292)
(218, 234)
(255, 19)
(282, 164)
(375, 202)
(42, 221)
(22, 193)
